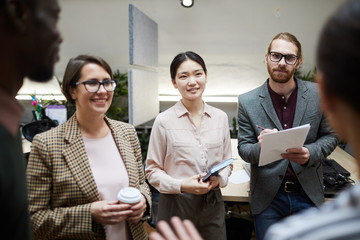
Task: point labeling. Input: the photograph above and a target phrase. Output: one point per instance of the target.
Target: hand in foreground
(138, 211)
(110, 212)
(184, 230)
(298, 155)
(195, 186)
(266, 130)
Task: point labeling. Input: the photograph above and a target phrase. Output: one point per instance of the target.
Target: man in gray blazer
(295, 182)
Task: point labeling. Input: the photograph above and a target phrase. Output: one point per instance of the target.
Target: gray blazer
(256, 108)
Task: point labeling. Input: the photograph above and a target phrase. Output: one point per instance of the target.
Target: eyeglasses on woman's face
(93, 85)
(289, 58)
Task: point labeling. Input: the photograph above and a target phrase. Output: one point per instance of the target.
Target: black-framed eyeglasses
(289, 58)
(93, 85)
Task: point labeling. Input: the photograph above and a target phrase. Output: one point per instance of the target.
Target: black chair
(155, 195)
(31, 129)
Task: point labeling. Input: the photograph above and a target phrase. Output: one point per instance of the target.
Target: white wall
(94, 27)
(231, 35)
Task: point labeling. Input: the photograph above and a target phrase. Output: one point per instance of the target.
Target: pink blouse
(178, 150)
(110, 176)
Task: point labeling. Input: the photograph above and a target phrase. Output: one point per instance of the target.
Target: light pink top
(177, 150)
(110, 176)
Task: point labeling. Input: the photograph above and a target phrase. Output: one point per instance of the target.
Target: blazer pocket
(312, 117)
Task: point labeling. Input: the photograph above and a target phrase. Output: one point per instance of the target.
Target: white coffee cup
(129, 195)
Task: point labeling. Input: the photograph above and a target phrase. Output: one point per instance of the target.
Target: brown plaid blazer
(61, 185)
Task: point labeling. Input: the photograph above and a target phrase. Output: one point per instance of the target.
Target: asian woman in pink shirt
(186, 141)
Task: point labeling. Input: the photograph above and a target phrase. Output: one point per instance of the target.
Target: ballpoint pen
(262, 128)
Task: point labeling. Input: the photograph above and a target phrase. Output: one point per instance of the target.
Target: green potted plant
(119, 109)
(309, 76)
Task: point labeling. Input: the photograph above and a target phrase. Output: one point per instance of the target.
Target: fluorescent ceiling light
(41, 97)
(187, 3)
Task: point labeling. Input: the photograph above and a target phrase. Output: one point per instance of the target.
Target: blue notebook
(214, 170)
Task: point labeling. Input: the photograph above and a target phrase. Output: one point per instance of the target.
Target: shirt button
(285, 125)
(283, 97)
(284, 107)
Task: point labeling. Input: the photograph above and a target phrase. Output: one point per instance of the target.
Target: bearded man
(295, 182)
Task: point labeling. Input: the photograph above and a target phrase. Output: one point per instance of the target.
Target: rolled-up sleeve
(227, 153)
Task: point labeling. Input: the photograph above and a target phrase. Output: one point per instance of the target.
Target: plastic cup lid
(129, 195)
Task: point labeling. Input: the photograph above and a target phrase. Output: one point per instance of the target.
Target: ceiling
(231, 35)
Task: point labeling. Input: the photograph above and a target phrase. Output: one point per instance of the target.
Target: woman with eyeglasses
(76, 170)
(186, 141)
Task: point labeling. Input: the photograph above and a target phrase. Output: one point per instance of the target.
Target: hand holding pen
(264, 130)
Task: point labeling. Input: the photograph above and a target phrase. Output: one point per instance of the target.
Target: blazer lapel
(268, 107)
(301, 104)
(77, 160)
(125, 149)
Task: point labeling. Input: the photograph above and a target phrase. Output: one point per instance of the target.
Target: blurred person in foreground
(76, 170)
(29, 46)
(184, 230)
(338, 61)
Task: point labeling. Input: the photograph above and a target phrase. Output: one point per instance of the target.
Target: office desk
(236, 192)
(240, 192)
(26, 146)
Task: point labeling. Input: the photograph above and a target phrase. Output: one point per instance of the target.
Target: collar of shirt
(281, 98)
(181, 110)
(11, 112)
(284, 110)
